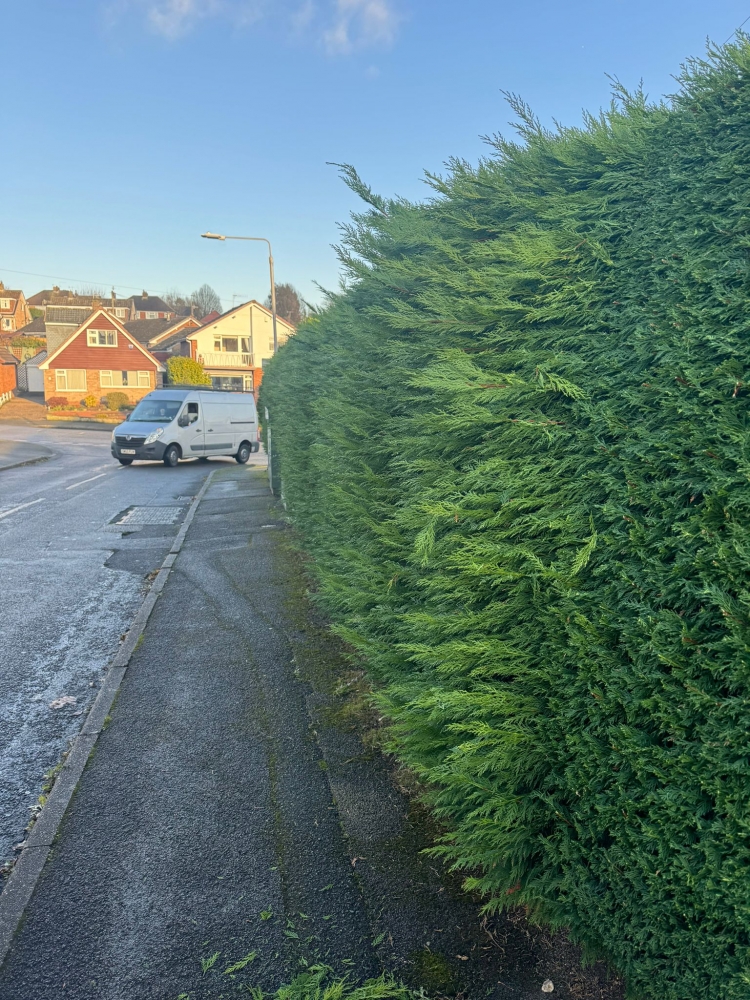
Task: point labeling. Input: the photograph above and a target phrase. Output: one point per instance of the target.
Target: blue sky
(131, 126)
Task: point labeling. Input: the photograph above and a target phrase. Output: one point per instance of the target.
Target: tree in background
(205, 300)
(199, 303)
(289, 304)
(186, 371)
(178, 302)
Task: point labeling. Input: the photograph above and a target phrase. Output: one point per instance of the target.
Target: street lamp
(257, 239)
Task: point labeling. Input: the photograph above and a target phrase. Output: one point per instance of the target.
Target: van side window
(192, 412)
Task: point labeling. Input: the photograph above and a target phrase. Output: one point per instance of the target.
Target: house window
(7, 324)
(232, 345)
(70, 379)
(152, 315)
(102, 338)
(4, 303)
(114, 380)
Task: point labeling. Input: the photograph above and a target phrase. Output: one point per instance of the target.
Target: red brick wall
(7, 378)
(94, 388)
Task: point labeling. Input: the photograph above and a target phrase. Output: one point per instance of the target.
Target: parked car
(170, 424)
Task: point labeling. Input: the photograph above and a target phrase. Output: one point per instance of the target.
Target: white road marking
(86, 481)
(21, 506)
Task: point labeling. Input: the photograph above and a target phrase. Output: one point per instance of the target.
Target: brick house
(147, 306)
(14, 310)
(100, 356)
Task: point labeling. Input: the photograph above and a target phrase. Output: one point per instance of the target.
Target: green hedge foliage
(186, 371)
(517, 447)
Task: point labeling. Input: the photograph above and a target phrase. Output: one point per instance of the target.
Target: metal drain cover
(151, 515)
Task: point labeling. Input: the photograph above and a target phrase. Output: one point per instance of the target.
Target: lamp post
(257, 239)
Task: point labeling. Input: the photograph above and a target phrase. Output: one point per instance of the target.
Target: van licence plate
(127, 451)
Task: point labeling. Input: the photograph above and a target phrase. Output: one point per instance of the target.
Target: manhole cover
(150, 515)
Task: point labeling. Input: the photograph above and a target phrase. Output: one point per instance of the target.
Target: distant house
(233, 348)
(164, 335)
(100, 356)
(147, 306)
(14, 310)
(8, 365)
(33, 331)
(58, 298)
(30, 377)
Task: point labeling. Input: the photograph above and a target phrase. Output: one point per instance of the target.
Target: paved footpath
(227, 814)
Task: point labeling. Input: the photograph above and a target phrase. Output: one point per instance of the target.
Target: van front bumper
(146, 453)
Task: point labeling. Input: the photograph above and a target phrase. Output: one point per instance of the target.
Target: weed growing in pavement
(237, 966)
(208, 963)
(266, 914)
(317, 984)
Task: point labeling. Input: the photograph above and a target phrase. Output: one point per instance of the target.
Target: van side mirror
(183, 420)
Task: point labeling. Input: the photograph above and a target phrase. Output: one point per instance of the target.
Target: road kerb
(21, 883)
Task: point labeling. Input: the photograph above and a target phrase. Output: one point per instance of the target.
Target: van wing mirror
(183, 420)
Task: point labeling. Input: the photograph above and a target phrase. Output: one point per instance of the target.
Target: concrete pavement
(231, 810)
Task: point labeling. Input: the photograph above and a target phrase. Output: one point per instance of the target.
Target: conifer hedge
(517, 448)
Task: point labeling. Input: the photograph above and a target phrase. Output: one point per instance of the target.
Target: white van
(170, 424)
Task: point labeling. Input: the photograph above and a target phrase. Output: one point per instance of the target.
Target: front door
(194, 435)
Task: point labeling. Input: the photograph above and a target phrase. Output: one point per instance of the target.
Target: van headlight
(154, 435)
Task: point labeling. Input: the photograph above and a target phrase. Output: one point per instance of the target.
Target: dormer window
(102, 338)
(4, 303)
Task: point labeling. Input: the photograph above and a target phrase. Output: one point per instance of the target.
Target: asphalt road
(70, 582)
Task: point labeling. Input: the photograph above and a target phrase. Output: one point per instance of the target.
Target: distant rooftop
(68, 314)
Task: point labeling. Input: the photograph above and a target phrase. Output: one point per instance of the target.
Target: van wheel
(172, 456)
(125, 461)
(243, 453)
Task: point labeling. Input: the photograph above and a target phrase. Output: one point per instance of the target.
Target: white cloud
(360, 24)
(303, 18)
(173, 18)
(339, 26)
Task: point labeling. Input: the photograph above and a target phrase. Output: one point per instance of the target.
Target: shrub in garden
(116, 400)
(56, 402)
(516, 447)
(186, 371)
(90, 402)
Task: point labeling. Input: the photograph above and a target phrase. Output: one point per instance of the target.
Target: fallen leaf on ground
(62, 702)
(547, 986)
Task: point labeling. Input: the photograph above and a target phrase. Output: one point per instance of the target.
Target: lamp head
(212, 236)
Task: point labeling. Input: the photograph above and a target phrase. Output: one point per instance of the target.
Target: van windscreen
(156, 411)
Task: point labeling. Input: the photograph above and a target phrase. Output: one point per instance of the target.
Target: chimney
(114, 296)
(145, 294)
(2, 286)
